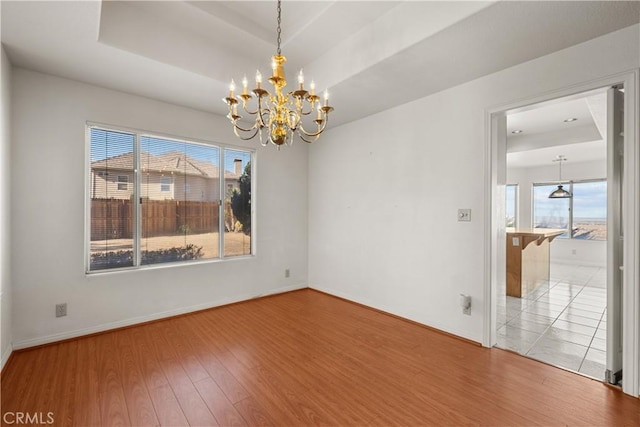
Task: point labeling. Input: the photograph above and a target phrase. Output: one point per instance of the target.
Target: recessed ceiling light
(517, 131)
(569, 120)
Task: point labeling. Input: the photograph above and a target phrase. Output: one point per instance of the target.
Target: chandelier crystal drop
(278, 114)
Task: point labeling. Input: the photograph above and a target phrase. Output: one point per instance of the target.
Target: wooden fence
(113, 218)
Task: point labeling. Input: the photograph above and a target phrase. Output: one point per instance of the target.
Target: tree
(241, 200)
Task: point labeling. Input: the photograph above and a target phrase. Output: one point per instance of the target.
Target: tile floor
(562, 322)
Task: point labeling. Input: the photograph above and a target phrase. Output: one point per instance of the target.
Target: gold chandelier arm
(260, 93)
(311, 108)
(293, 120)
(306, 113)
(253, 113)
(298, 99)
(314, 134)
(307, 140)
(236, 128)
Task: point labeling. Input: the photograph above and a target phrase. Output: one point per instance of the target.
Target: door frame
(495, 256)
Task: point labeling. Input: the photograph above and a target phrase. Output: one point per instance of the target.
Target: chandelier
(278, 114)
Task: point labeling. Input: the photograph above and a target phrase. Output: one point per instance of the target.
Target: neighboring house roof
(173, 163)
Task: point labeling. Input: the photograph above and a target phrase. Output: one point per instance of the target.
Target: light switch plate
(464, 214)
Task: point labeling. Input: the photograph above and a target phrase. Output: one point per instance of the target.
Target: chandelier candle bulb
(326, 98)
(319, 112)
(258, 79)
(301, 79)
(312, 86)
(245, 85)
(232, 87)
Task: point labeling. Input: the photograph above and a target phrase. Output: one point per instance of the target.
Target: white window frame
(137, 193)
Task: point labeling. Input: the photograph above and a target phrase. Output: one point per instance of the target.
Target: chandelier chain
(279, 30)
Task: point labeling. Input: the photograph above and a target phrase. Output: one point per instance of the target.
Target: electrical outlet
(465, 303)
(61, 309)
(464, 214)
(287, 273)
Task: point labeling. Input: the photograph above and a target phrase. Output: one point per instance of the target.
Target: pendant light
(560, 193)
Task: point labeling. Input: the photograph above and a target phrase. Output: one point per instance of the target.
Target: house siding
(105, 185)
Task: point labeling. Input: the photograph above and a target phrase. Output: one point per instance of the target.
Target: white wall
(384, 191)
(48, 153)
(587, 252)
(5, 228)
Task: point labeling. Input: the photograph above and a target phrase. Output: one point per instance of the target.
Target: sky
(589, 200)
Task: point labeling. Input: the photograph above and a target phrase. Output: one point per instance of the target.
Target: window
(165, 184)
(111, 210)
(585, 214)
(172, 210)
(123, 182)
(237, 236)
(589, 210)
(511, 205)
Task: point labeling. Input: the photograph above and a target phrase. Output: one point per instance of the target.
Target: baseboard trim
(351, 300)
(5, 357)
(136, 321)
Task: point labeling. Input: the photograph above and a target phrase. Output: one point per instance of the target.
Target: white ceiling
(545, 134)
(373, 55)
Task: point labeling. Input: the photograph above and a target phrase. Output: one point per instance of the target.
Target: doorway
(572, 309)
(560, 316)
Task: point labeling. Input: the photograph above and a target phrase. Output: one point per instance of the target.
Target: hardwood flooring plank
(50, 382)
(229, 385)
(271, 403)
(146, 358)
(113, 407)
(221, 408)
(139, 404)
(19, 382)
(254, 413)
(61, 401)
(179, 336)
(167, 407)
(86, 393)
(297, 359)
(194, 408)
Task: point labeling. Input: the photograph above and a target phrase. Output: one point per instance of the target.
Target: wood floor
(296, 359)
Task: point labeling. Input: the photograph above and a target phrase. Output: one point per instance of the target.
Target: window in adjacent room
(175, 204)
(585, 214)
(511, 205)
(589, 220)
